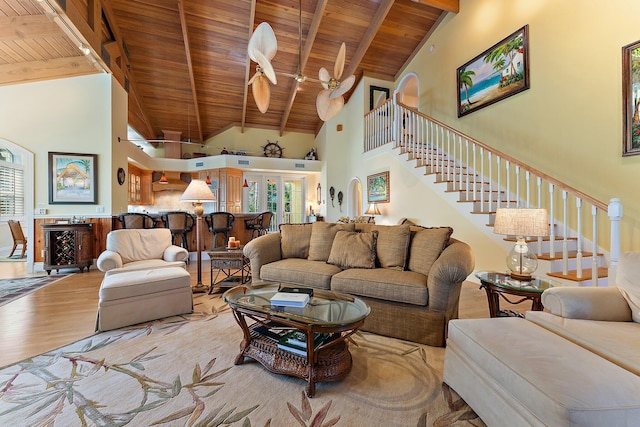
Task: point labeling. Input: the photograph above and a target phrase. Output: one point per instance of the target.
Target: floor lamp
(198, 192)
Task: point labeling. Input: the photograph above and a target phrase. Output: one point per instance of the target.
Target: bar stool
(179, 223)
(136, 220)
(259, 224)
(219, 223)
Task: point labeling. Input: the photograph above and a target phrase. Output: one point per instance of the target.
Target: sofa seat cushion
(628, 281)
(617, 342)
(314, 274)
(143, 282)
(493, 363)
(383, 284)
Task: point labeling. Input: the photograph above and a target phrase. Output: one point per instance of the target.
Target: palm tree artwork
(497, 73)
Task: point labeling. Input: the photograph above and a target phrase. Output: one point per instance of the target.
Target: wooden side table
(498, 285)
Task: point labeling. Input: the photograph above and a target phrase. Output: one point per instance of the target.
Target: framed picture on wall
(73, 178)
(631, 99)
(378, 188)
(497, 73)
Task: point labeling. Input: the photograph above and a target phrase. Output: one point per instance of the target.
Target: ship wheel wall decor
(272, 149)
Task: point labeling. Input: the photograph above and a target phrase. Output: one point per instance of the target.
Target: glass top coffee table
(497, 285)
(328, 319)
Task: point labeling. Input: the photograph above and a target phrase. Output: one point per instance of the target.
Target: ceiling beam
(187, 50)
(247, 68)
(304, 57)
(376, 22)
(43, 70)
(448, 5)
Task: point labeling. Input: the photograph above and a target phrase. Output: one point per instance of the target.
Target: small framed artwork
(497, 73)
(631, 99)
(378, 188)
(73, 178)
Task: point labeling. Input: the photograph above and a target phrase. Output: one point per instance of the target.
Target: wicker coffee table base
(333, 362)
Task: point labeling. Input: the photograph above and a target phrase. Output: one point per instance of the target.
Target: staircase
(580, 227)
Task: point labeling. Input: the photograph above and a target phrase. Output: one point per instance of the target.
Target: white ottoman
(139, 296)
(515, 373)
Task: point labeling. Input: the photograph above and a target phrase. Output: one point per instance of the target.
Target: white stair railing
(491, 179)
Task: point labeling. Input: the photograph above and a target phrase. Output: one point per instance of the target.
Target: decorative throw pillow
(322, 234)
(628, 281)
(352, 249)
(392, 246)
(294, 240)
(426, 246)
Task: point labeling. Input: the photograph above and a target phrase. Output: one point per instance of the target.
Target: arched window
(11, 185)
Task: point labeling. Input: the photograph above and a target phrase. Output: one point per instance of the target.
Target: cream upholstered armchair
(140, 249)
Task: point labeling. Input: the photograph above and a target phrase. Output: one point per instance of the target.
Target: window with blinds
(11, 190)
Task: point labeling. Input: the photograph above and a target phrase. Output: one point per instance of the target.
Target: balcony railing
(579, 225)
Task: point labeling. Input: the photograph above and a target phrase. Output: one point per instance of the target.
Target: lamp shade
(528, 222)
(372, 209)
(198, 191)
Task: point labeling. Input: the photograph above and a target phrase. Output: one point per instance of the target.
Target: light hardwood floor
(65, 311)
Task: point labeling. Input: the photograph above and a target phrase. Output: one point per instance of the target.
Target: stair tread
(586, 274)
(570, 254)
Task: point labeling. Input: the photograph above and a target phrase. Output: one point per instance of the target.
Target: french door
(283, 195)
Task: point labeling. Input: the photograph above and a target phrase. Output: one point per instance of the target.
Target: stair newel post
(614, 212)
(565, 233)
(579, 236)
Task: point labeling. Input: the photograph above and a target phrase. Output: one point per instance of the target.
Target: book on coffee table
(290, 299)
(296, 342)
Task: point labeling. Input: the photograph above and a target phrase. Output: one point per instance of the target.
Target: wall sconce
(319, 194)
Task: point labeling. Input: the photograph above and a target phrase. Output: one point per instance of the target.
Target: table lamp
(198, 192)
(372, 209)
(521, 222)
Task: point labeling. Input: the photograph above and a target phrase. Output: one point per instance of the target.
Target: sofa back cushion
(322, 235)
(426, 246)
(139, 244)
(628, 281)
(393, 244)
(295, 240)
(352, 249)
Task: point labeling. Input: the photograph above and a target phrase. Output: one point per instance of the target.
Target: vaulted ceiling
(184, 63)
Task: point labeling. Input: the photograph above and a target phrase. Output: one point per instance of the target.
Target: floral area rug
(180, 371)
(11, 289)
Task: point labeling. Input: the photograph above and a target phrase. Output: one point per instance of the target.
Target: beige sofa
(577, 364)
(140, 249)
(410, 276)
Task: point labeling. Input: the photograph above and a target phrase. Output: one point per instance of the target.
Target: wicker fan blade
(261, 93)
(327, 107)
(343, 88)
(338, 68)
(266, 66)
(324, 76)
(263, 40)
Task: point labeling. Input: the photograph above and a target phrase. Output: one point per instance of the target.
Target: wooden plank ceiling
(184, 63)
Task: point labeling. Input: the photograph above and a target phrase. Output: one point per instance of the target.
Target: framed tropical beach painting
(73, 178)
(378, 188)
(495, 74)
(631, 99)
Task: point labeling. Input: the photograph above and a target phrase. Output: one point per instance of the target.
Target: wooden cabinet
(140, 186)
(68, 246)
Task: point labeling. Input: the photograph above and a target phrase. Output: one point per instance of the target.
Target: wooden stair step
(586, 274)
(570, 254)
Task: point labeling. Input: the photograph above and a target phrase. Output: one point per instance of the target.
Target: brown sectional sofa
(410, 276)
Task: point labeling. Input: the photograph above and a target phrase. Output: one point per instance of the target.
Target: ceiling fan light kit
(263, 46)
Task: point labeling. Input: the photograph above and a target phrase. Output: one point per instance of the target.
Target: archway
(354, 198)
(409, 90)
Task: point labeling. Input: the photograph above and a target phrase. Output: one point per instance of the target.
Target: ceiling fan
(262, 48)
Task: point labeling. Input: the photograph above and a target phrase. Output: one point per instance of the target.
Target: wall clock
(121, 176)
(272, 149)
